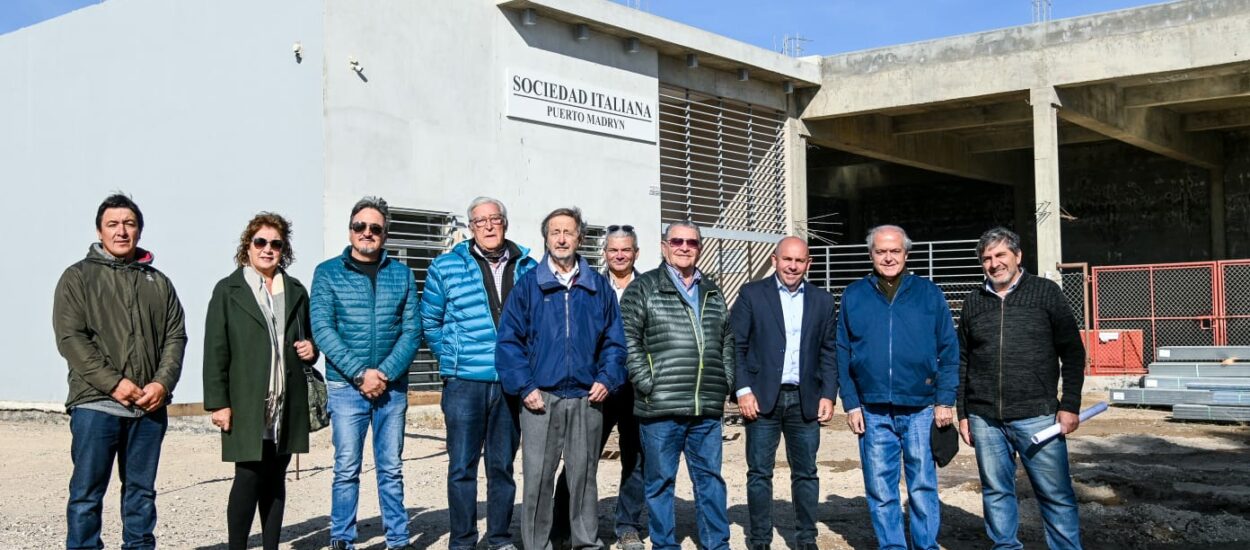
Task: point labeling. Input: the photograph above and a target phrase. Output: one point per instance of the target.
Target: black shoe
(760, 547)
(808, 546)
(339, 545)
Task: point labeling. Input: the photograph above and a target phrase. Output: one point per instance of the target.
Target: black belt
(789, 387)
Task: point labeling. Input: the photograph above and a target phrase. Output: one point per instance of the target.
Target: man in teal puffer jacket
(364, 318)
(465, 290)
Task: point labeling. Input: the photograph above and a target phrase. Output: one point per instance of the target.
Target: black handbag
(318, 398)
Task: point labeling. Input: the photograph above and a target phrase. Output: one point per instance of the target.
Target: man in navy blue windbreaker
(561, 350)
(898, 369)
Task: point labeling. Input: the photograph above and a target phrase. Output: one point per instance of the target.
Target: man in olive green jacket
(681, 363)
(119, 325)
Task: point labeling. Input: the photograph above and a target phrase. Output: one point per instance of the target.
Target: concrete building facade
(207, 112)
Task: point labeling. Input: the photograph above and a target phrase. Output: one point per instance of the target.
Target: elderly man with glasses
(465, 290)
(681, 364)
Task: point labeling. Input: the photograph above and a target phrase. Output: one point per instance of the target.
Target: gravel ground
(1143, 482)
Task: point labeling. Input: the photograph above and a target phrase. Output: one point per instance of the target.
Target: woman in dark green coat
(256, 342)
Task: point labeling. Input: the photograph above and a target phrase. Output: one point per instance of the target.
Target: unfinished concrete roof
(1176, 37)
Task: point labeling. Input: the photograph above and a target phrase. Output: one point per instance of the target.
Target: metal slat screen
(722, 166)
(416, 237)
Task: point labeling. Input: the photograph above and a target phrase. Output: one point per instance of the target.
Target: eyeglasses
(359, 227)
(487, 220)
(678, 242)
(625, 228)
(260, 243)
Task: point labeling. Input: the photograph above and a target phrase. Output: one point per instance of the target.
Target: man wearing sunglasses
(465, 290)
(681, 364)
(365, 320)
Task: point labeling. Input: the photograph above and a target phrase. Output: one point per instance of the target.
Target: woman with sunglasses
(255, 344)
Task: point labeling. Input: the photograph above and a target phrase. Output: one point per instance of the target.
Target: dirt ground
(1143, 482)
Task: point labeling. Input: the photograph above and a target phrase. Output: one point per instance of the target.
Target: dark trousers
(802, 441)
(98, 438)
(258, 485)
(481, 422)
(618, 411)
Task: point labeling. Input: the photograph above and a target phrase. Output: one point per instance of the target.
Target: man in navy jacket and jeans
(561, 349)
(898, 367)
(787, 379)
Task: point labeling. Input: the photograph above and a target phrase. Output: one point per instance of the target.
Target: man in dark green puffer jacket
(681, 364)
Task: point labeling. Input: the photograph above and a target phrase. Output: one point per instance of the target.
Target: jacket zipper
(568, 370)
(1002, 319)
(698, 338)
(651, 365)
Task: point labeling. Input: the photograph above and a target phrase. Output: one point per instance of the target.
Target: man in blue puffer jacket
(562, 351)
(364, 315)
(465, 290)
(898, 367)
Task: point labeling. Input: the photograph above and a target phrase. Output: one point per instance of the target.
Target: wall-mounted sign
(572, 104)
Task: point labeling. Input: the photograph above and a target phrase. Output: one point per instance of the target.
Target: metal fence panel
(1171, 304)
(1234, 300)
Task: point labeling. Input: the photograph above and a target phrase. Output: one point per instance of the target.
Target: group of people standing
(547, 356)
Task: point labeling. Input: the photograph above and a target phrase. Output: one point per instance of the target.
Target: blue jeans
(663, 442)
(997, 443)
(136, 443)
(351, 416)
(481, 421)
(889, 429)
(802, 441)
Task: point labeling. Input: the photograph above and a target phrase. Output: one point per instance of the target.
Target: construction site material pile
(1210, 383)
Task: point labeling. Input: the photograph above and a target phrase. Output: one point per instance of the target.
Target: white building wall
(196, 108)
(429, 128)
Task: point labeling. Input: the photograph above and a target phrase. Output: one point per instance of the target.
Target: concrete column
(1219, 248)
(1046, 181)
(796, 174)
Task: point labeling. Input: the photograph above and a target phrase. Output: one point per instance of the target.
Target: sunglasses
(360, 227)
(678, 242)
(260, 243)
(625, 228)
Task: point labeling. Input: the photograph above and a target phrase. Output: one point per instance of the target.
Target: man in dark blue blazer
(786, 381)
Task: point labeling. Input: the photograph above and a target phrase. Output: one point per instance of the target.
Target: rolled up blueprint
(1049, 433)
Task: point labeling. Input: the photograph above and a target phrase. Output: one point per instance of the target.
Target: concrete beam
(957, 119)
(1101, 108)
(1217, 120)
(872, 136)
(1187, 91)
(1022, 138)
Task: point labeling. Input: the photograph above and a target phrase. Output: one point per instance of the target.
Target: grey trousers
(569, 428)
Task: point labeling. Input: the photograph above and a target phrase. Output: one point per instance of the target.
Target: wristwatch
(359, 380)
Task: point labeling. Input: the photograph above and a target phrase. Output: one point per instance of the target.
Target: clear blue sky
(834, 26)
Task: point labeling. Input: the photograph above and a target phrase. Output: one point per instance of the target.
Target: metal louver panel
(722, 166)
(415, 238)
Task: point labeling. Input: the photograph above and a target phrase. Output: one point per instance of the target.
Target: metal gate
(1233, 303)
(1178, 304)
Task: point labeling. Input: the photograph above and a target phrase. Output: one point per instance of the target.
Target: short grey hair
(621, 233)
(376, 203)
(872, 234)
(573, 212)
(998, 235)
(683, 223)
(503, 210)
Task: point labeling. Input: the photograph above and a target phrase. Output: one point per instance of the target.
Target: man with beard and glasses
(364, 318)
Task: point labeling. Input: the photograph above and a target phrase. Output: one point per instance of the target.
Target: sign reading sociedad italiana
(572, 104)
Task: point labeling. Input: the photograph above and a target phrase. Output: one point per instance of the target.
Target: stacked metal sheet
(1199, 382)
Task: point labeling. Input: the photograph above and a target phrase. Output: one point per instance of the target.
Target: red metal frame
(1221, 302)
(1213, 322)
